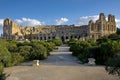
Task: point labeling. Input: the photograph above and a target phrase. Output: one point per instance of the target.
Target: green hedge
(2, 76)
(14, 52)
(57, 42)
(80, 49)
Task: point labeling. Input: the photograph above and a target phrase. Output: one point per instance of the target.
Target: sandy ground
(60, 65)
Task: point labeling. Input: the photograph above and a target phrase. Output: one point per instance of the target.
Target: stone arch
(62, 38)
(67, 37)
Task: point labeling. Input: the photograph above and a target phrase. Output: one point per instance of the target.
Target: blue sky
(50, 12)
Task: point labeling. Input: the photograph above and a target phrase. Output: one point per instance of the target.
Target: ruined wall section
(11, 30)
(102, 27)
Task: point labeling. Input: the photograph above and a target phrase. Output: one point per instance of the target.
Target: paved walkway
(61, 57)
(60, 65)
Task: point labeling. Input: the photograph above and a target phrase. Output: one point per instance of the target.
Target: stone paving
(60, 65)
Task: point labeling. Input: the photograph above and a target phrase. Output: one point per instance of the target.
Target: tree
(57, 42)
(113, 66)
(26, 43)
(114, 36)
(5, 56)
(105, 50)
(113, 63)
(2, 76)
(16, 58)
(118, 31)
(12, 47)
(102, 40)
(80, 49)
(25, 51)
(38, 52)
(50, 46)
(72, 41)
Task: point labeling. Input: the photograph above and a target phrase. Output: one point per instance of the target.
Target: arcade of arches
(93, 30)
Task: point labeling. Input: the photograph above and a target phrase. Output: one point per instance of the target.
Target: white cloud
(1, 22)
(28, 22)
(23, 22)
(1, 26)
(32, 22)
(61, 21)
(117, 22)
(85, 19)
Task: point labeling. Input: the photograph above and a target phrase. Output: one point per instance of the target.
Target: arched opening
(44, 38)
(79, 37)
(71, 37)
(53, 37)
(66, 37)
(75, 36)
(62, 38)
(40, 38)
(49, 37)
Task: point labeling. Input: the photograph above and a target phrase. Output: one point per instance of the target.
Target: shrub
(2, 76)
(95, 53)
(1, 68)
(25, 51)
(113, 66)
(57, 42)
(102, 40)
(38, 52)
(114, 37)
(105, 51)
(12, 47)
(12, 52)
(118, 31)
(80, 49)
(26, 43)
(5, 56)
(16, 58)
(72, 41)
(50, 46)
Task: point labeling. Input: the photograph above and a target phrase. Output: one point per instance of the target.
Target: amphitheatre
(60, 65)
(93, 30)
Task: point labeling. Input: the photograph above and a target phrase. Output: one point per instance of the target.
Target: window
(44, 38)
(53, 37)
(66, 37)
(99, 36)
(92, 36)
(49, 37)
(40, 38)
